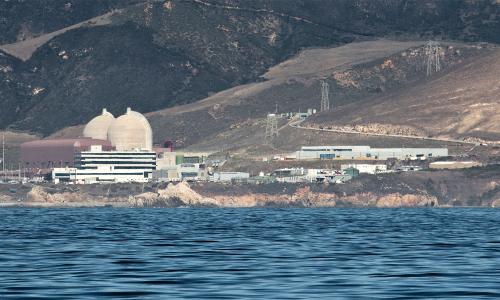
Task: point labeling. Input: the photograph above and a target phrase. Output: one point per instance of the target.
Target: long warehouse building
(366, 152)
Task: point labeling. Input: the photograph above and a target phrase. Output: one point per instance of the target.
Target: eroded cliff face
(42, 197)
(479, 187)
(181, 195)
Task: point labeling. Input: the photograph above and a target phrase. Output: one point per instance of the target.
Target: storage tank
(98, 127)
(131, 131)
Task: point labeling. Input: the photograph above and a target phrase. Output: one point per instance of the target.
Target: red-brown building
(47, 154)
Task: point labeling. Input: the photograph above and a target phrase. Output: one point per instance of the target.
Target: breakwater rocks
(473, 187)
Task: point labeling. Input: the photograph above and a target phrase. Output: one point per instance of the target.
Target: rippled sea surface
(249, 253)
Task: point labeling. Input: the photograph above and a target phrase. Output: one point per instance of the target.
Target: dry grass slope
(461, 102)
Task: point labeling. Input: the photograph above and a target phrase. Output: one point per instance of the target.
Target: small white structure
(230, 176)
(409, 168)
(165, 160)
(166, 175)
(300, 115)
(366, 168)
(192, 171)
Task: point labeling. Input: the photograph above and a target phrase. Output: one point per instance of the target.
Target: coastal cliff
(182, 195)
(479, 187)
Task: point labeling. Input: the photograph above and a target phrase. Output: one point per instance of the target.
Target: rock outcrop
(174, 195)
(496, 203)
(181, 194)
(40, 196)
(398, 200)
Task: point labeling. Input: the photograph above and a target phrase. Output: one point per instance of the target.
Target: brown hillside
(361, 76)
(463, 102)
(286, 84)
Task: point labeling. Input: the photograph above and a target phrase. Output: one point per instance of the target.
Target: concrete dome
(98, 127)
(131, 131)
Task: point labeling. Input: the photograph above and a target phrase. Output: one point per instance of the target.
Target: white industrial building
(366, 168)
(366, 152)
(230, 176)
(109, 166)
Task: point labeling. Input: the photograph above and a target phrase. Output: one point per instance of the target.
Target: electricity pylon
(433, 53)
(271, 128)
(325, 96)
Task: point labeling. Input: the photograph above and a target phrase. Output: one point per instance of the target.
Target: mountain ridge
(154, 55)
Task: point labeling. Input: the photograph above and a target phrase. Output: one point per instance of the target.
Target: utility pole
(271, 128)
(325, 96)
(433, 53)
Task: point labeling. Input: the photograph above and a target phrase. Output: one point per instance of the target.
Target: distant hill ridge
(159, 54)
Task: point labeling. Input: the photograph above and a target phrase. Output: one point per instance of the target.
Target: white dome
(98, 127)
(131, 131)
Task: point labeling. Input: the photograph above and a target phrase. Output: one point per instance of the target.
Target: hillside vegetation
(153, 55)
(380, 80)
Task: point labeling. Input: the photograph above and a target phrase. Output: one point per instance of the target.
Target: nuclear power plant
(111, 149)
(121, 150)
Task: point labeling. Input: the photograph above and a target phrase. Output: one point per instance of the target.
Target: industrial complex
(120, 149)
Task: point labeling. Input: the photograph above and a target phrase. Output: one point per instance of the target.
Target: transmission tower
(325, 96)
(271, 128)
(433, 55)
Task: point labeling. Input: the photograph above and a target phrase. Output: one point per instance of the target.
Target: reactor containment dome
(98, 127)
(131, 131)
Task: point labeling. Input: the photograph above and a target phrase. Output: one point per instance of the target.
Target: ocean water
(249, 253)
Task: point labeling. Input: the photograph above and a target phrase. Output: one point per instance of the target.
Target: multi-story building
(97, 165)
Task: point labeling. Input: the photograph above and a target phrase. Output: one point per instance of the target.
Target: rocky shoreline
(477, 187)
(182, 195)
